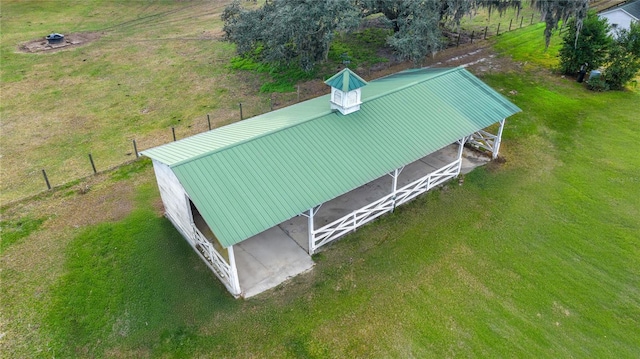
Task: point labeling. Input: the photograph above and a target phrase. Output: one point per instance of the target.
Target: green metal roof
(346, 80)
(249, 176)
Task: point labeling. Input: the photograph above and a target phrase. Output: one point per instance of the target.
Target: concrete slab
(268, 259)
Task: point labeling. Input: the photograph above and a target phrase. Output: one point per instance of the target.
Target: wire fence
(94, 164)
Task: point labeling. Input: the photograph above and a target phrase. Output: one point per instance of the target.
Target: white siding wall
(618, 17)
(177, 209)
(174, 199)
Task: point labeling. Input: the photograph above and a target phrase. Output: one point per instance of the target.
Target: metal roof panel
(285, 163)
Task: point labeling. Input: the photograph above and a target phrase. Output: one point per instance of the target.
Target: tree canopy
(289, 31)
(554, 11)
(588, 45)
(285, 32)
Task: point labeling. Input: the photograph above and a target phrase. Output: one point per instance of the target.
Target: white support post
(235, 281)
(310, 226)
(460, 149)
(394, 186)
(496, 145)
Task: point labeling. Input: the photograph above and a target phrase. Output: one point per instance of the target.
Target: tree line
(300, 32)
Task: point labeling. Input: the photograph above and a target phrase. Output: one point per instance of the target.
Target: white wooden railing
(484, 140)
(214, 259)
(359, 217)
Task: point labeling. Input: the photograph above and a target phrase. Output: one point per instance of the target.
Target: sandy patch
(70, 40)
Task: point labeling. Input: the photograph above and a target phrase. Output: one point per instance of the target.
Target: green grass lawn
(536, 257)
(132, 82)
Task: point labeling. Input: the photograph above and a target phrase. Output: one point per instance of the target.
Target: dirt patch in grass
(70, 41)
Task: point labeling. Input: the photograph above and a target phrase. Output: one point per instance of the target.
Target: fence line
(271, 104)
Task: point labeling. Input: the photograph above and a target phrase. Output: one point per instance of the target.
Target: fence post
(271, 103)
(510, 22)
(209, 121)
(135, 149)
(458, 41)
(44, 174)
(173, 131)
(498, 32)
(241, 118)
(472, 33)
(485, 32)
(521, 19)
(531, 19)
(93, 165)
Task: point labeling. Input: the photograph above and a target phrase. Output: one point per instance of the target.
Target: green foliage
(624, 58)
(283, 78)
(418, 32)
(598, 84)
(289, 31)
(554, 11)
(302, 32)
(360, 48)
(588, 45)
(13, 231)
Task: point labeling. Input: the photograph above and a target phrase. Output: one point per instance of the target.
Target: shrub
(623, 58)
(591, 46)
(597, 84)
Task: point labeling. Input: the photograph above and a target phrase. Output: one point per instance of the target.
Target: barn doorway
(203, 227)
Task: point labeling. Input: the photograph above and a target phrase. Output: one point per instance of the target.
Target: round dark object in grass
(55, 38)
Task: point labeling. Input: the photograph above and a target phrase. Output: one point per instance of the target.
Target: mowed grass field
(538, 256)
(153, 65)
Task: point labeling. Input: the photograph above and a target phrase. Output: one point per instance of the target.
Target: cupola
(345, 91)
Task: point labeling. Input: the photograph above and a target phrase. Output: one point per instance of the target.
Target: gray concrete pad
(268, 259)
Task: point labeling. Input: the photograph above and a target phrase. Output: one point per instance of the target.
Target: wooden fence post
(46, 179)
(241, 118)
(93, 165)
(209, 121)
(173, 131)
(498, 32)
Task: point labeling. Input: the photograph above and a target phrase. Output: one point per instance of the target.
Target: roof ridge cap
(453, 69)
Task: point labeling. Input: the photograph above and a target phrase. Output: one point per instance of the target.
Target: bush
(623, 58)
(597, 84)
(591, 46)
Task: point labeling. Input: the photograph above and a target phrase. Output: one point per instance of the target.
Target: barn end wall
(174, 198)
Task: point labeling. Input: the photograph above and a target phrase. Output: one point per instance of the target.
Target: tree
(589, 45)
(554, 11)
(418, 33)
(623, 60)
(283, 32)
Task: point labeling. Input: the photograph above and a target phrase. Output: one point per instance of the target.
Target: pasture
(536, 256)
